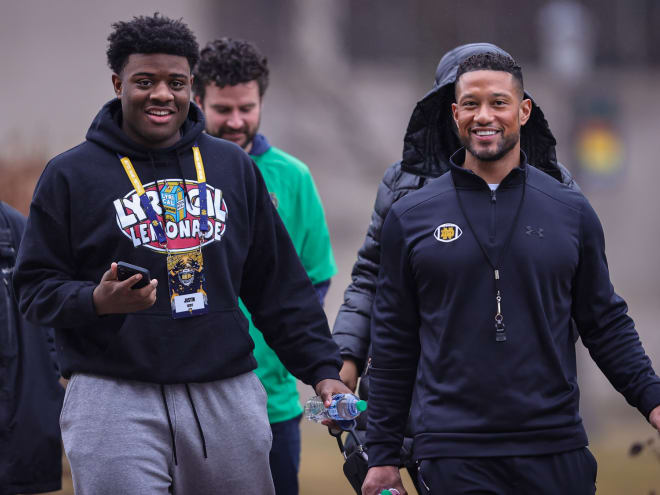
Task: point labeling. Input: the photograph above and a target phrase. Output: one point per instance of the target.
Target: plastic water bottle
(344, 407)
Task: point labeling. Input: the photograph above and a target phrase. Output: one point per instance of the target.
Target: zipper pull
(493, 197)
(366, 369)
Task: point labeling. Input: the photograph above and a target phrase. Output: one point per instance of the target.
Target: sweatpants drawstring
(169, 422)
(199, 425)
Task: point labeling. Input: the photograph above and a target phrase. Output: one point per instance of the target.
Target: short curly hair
(155, 34)
(227, 61)
(492, 61)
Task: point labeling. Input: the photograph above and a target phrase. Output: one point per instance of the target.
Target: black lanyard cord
(500, 334)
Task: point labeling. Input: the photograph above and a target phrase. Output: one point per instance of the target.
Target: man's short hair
(228, 62)
(491, 61)
(155, 34)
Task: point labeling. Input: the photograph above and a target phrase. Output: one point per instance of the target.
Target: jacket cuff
(324, 372)
(351, 332)
(86, 303)
(650, 399)
(384, 454)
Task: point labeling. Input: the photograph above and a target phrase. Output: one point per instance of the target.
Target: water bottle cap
(361, 405)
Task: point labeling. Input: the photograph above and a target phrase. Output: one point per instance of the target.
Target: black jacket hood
(430, 138)
(106, 131)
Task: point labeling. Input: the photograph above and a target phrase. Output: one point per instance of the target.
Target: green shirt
(294, 194)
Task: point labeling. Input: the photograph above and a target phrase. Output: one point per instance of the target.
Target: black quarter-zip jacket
(85, 214)
(433, 329)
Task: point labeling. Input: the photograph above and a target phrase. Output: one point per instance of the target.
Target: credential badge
(447, 232)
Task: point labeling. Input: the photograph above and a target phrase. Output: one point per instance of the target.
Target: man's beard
(506, 144)
(245, 130)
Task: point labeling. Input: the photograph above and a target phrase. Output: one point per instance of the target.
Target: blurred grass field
(618, 473)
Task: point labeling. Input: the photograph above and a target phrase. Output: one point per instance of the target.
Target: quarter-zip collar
(467, 179)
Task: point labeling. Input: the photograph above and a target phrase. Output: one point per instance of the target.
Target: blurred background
(346, 75)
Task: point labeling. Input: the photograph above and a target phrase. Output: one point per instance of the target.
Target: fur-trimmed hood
(428, 144)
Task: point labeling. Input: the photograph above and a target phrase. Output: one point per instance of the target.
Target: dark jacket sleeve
(17, 224)
(44, 280)
(606, 329)
(395, 348)
(32, 395)
(281, 299)
(351, 328)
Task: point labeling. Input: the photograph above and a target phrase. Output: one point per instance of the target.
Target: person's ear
(525, 111)
(454, 112)
(117, 85)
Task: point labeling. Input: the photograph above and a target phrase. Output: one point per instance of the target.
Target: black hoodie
(429, 142)
(85, 214)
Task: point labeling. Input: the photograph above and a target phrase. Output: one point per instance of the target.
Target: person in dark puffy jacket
(30, 395)
(429, 141)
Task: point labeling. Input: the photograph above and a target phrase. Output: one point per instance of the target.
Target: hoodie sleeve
(604, 325)
(395, 347)
(44, 279)
(281, 299)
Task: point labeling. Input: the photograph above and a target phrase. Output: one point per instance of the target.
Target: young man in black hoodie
(482, 272)
(162, 396)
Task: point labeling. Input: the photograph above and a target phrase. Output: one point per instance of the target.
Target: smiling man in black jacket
(429, 142)
(162, 397)
(482, 271)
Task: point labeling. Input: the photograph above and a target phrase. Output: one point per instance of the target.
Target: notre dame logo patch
(447, 232)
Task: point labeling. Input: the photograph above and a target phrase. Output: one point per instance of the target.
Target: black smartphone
(126, 271)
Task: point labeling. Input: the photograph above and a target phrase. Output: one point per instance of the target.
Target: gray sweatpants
(118, 440)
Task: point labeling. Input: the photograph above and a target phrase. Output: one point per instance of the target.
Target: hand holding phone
(111, 296)
(126, 271)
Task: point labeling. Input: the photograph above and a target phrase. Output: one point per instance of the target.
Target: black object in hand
(126, 271)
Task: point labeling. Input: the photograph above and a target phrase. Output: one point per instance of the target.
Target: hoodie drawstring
(183, 177)
(169, 422)
(199, 425)
(153, 169)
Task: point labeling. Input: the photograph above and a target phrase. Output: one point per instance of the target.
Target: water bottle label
(332, 410)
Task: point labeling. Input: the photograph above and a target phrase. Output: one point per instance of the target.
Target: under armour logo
(529, 230)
